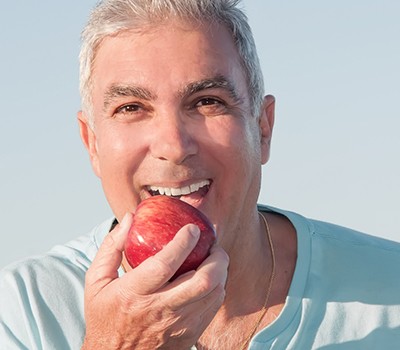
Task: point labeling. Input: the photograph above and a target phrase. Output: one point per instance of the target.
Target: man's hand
(142, 310)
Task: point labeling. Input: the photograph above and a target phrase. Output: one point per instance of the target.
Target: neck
(248, 290)
(250, 268)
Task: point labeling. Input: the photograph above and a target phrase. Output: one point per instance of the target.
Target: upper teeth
(171, 191)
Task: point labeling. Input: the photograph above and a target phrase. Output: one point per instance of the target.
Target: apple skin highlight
(155, 223)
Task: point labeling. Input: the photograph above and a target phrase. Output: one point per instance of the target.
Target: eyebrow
(116, 91)
(217, 82)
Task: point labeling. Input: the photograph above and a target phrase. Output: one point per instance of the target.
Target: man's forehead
(127, 64)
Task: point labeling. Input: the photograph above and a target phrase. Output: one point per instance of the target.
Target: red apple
(156, 221)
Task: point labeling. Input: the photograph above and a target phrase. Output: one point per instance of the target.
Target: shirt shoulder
(352, 237)
(358, 255)
(345, 290)
(41, 297)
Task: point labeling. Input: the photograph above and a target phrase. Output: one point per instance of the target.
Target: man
(172, 102)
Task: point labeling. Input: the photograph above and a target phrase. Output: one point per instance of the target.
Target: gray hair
(110, 17)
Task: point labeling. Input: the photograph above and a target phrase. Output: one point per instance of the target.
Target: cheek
(237, 152)
(119, 158)
(240, 138)
(118, 151)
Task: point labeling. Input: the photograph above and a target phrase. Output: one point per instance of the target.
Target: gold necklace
(271, 282)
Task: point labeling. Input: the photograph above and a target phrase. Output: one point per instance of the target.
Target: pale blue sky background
(332, 65)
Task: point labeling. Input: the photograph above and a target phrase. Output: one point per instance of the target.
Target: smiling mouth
(193, 192)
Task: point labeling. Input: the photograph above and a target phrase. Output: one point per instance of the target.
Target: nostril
(173, 141)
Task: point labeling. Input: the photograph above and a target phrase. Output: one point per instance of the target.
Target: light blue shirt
(41, 298)
(345, 294)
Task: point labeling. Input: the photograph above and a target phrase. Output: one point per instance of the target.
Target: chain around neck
(264, 309)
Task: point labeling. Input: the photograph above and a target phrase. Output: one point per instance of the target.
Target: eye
(130, 112)
(130, 108)
(210, 106)
(208, 101)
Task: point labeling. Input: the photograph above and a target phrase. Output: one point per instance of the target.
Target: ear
(266, 124)
(88, 137)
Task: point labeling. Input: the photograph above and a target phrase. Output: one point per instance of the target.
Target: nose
(173, 139)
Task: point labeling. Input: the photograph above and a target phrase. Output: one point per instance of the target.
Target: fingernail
(125, 220)
(194, 231)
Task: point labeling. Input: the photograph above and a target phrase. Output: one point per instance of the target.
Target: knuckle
(205, 283)
(109, 241)
(139, 305)
(160, 267)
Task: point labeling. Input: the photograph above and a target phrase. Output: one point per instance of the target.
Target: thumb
(104, 268)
